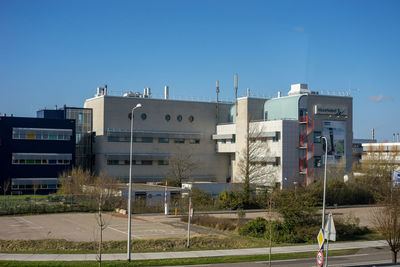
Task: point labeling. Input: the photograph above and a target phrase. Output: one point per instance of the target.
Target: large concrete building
(285, 132)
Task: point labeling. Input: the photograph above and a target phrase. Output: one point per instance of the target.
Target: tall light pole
(326, 163)
(130, 186)
(323, 200)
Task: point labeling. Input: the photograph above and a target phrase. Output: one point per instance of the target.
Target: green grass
(189, 261)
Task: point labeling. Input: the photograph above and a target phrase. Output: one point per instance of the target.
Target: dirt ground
(363, 213)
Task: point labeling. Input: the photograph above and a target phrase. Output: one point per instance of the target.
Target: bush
(254, 228)
(223, 224)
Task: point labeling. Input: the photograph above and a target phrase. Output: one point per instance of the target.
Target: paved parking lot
(83, 227)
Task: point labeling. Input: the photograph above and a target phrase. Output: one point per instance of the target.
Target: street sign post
(321, 238)
(330, 234)
(320, 258)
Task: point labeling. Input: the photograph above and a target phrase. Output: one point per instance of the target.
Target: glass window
(277, 137)
(80, 118)
(179, 141)
(163, 140)
(167, 117)
(191, 118)
(233, 140)
(317, 161)
(38, 161)
(194, 141)
(179, 118)
(223, 141)
(147, 139)
(163, 162)
(143, 116)
(147, 162)
(317, 135)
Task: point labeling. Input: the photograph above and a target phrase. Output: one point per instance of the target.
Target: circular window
(143, 116)
(179, 118)
(191, 118)
(167, 117)
(130, 115)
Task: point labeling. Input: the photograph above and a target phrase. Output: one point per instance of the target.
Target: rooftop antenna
(236, 89)
(217, 90)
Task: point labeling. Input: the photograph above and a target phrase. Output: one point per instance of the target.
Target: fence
(38, 204)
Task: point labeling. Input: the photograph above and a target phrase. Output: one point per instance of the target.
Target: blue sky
(58, 52)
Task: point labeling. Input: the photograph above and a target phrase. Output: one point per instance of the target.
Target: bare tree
(6, 185)
(105, 194)
(255, 162)
(387, 221)
(181, 166)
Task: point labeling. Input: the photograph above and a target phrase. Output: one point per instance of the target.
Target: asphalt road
(367, 257)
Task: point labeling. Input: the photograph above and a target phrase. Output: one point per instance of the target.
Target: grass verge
(189, 261)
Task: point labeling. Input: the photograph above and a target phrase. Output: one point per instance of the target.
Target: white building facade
(215, 136)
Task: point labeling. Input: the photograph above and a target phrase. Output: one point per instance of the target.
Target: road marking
(112, 228)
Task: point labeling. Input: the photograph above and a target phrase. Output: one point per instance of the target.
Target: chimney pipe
(397, 137)
(394, 138)
(279, 94)
(236, 89)
(373, 134)
(248, 92)
(55, 107)
(105, 89)
(166, 92)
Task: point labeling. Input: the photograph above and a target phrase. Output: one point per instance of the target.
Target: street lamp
(326, 163)
(323, 201)
(130, 186)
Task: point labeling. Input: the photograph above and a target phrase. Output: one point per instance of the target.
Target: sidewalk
(188, 254)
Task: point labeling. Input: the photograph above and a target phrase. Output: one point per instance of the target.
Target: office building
(286, 131)
(34, 152)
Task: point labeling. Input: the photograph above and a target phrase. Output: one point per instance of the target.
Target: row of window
(41, 134)
(31, 187)
(41, 162)
(167, 117)
(151, 139)
(137, 162)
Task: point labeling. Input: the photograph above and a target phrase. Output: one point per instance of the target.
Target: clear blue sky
(58, 52)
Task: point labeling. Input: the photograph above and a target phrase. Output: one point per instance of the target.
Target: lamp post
(323, 201)
(130, 186)
(326, 163)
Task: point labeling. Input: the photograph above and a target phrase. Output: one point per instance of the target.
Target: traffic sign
(320, 258)
(330, 231)
(321, 238)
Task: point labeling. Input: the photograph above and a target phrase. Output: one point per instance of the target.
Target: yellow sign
(320, 238)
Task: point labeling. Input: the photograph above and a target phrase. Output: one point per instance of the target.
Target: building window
(179, 118)
(147, 162)
(277, 137)
(194, 141)
(147, 140)
(167, 117)
(191, 118)
(179, 141)
(41, 159)
(317, 161)
(277, 162)
(223, 141)
(163, 140)
(233, 140)
(163, 162)
(80, 118)
(113, 162)
(41, 134)
(317, 136)
(143, 116)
